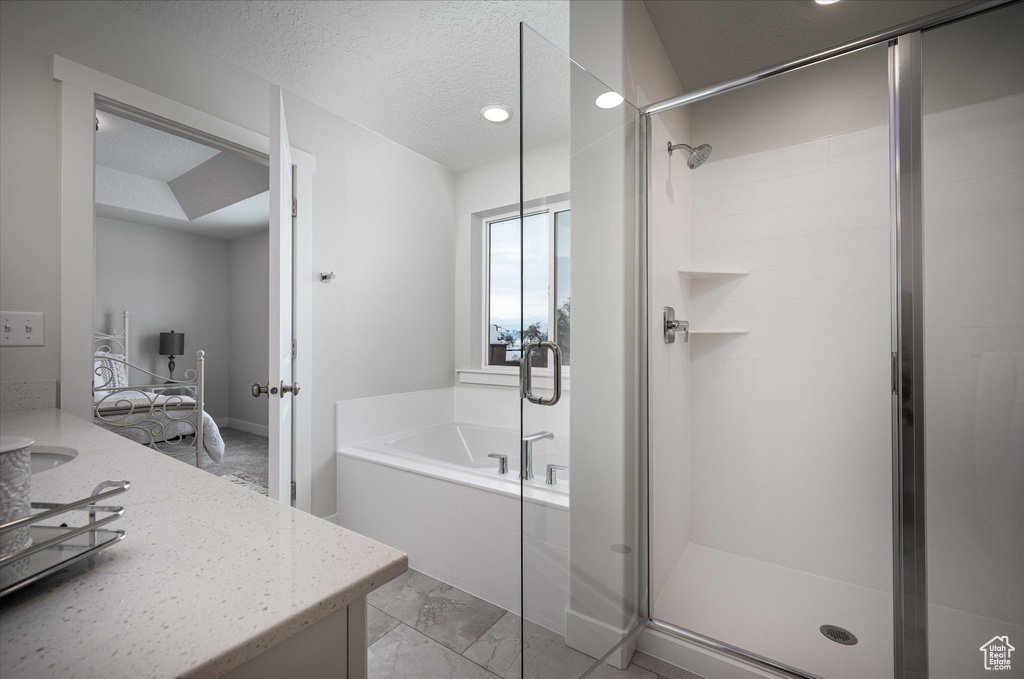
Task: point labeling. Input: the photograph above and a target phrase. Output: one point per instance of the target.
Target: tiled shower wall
(669, 369)
(791, 447)
(791, 422)
(973, 249)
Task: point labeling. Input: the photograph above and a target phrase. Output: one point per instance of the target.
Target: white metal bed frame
(163, 404)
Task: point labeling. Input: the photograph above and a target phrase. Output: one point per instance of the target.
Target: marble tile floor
(422, 628)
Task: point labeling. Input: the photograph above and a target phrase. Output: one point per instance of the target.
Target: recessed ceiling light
(609, 100)
(496, 113)
(826, 2)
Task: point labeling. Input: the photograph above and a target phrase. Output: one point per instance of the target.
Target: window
(540, 300)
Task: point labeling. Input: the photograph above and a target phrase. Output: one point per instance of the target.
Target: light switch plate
(21, 328)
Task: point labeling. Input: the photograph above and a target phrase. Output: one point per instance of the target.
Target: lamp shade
(172, 343)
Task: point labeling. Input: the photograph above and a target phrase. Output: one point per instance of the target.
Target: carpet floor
(246, 456)
(246, 459)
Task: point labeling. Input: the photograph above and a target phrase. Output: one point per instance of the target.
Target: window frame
(551, 209)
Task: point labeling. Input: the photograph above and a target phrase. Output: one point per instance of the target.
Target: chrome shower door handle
(526, 373)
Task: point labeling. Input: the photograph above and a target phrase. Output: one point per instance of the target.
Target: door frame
(80, 86)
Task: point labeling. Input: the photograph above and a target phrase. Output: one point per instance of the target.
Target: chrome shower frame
(910, 602)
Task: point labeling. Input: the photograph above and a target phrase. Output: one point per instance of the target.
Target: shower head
(697, 155)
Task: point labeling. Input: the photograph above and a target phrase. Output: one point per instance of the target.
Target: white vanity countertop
(209, 575)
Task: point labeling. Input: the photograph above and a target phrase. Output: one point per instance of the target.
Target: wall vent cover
(838, 635)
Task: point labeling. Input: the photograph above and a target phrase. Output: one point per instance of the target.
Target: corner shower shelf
(711, 274)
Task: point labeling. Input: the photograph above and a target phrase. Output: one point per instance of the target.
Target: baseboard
(594, 638)
(242, 425)
(696, 659)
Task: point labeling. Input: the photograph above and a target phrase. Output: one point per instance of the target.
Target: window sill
(543, 379)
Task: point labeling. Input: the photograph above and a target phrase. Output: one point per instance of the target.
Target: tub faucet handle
(551, 478)
(502, 463)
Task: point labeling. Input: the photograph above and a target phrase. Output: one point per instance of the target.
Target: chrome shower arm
(672, 147)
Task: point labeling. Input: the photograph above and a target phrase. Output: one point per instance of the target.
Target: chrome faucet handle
(502, 463)
(551, 478)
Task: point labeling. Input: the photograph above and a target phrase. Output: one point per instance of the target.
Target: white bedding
(121, 409)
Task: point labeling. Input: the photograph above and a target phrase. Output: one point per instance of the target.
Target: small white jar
(15, 491)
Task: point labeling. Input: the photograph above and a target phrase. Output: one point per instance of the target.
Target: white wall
(167, 280)
(248, 316)
(845, 95)
(791, 439)
(213, 290)
(482, 192)
(374, 201)
(791, 422)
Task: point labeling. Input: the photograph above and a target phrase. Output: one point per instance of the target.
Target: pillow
(108, 374)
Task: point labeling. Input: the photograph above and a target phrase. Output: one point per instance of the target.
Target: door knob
(258, 391)
(292, 388)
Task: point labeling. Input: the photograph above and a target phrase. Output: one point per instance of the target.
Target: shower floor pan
(777, 612)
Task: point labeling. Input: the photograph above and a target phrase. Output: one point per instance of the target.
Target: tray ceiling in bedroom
(146, 175)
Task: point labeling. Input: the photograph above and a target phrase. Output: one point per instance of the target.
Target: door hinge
(293, 491)
(894, 376)
(295, 207)
(294, 349)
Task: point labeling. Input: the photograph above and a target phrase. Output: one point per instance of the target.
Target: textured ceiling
(149, 176)
(134, 148)
(415, 71)
(712, 41)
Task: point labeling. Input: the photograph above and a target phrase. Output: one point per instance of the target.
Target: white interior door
(279, 387)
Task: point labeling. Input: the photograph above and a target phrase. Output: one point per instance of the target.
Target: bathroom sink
(48, 457)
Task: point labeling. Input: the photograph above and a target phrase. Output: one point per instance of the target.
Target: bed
(166, 415)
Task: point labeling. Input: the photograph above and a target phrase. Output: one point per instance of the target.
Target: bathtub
(433, 493)
(458, 451)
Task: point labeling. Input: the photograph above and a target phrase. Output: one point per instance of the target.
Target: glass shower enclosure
(582, 538)
(820, 475)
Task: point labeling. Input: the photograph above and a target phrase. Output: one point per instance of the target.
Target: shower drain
(838, 635)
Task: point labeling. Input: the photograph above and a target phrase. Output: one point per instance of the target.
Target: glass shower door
(771, 427)
(581, 543)
(972, 240)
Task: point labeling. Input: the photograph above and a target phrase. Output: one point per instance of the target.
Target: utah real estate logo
(997, 653)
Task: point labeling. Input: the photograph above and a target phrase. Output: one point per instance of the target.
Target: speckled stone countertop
(209, 575)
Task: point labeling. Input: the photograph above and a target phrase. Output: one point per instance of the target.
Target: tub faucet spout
(526, 462)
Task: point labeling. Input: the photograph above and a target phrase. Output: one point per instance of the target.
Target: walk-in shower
(835, 483)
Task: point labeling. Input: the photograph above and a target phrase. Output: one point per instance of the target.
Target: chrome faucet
(552, 473)
(527, 453)
(502, 463)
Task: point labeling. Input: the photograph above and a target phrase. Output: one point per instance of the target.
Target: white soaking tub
(463, 447)
(434, 493)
